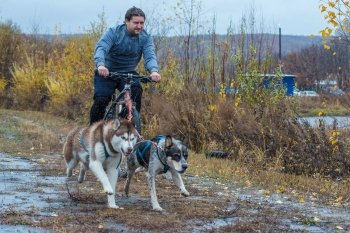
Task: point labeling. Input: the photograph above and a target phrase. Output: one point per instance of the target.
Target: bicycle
(127, 108)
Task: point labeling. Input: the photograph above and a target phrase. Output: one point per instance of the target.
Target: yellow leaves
(266, 193)
(331, 4)
(326, 47)
(3, 84)
(280, 189)
(333, 140)
(237, 101)
(334, 23)
(326, 32)
(222, 92)
(335, 133)
(320, 113)
(301, 198)
(323, 8)
(339, 199)
(213, 107)
(336, 15)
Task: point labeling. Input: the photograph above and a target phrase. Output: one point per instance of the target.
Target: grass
(325, 112)
(27, 133)
(85, 210)
(328, 105)
(301, 187)
(30, 134)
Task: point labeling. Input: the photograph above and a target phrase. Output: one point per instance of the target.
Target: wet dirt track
(32, 199)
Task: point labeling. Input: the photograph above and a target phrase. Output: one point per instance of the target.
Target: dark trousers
(104, 88)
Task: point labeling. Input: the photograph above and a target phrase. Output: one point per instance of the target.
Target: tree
(337, 15)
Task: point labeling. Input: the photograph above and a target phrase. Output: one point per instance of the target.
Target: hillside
(290, 43)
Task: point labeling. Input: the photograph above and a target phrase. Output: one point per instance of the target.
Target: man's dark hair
(134, 11)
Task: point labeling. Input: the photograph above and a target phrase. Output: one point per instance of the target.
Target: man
(120, 50)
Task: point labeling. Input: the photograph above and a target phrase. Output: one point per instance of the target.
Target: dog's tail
(68, 145)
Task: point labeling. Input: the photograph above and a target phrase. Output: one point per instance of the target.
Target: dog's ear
(185, 140)
(116, 124)
(168, 141)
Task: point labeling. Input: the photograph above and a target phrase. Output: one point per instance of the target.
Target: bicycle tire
(137, 119)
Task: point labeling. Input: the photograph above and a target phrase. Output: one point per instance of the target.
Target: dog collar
(165, 164)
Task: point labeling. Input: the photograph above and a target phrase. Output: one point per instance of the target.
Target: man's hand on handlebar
(155, 76)
(103, 71)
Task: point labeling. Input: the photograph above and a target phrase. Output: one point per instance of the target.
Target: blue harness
(141, 151)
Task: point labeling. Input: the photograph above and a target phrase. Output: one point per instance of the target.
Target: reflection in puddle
(24, 189)
(21, 229)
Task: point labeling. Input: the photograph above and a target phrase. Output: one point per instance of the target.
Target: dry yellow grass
(302, 187)
(33, 133)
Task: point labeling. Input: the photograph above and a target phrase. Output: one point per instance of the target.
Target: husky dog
(100, 148)
(160, 155)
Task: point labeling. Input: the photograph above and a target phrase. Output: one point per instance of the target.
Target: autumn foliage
(215, 96)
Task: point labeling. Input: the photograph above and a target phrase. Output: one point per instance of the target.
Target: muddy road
(36, 197)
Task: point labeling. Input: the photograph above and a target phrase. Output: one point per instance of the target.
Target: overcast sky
(296, 17)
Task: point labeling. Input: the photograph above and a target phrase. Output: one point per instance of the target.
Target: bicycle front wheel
(137, 119)
(110, 112)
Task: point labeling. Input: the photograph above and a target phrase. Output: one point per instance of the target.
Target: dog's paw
(185, 193)
(158, 208)
(113, 206)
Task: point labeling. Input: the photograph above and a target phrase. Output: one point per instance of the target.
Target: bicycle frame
(124, 98)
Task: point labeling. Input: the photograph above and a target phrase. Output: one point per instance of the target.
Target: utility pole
(280, 48)
(279, 44)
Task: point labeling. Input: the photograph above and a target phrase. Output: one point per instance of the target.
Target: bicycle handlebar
(117, 75)
(142, 78)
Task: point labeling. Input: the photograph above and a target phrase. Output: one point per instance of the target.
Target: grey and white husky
(160, 155)
(100, 148)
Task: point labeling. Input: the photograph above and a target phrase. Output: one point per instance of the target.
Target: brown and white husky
(100, 148)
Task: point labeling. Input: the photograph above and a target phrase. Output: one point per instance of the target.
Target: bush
(30, 90)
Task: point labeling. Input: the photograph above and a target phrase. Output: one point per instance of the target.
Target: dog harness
(85, 147)
(146, 147)
(141, 151)
(82, 143)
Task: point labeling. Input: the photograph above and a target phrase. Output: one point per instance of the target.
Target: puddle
(308, 216)
(215, 224)
(24, 189)
(22, 229)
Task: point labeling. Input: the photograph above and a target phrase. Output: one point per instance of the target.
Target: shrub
(30, 90)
